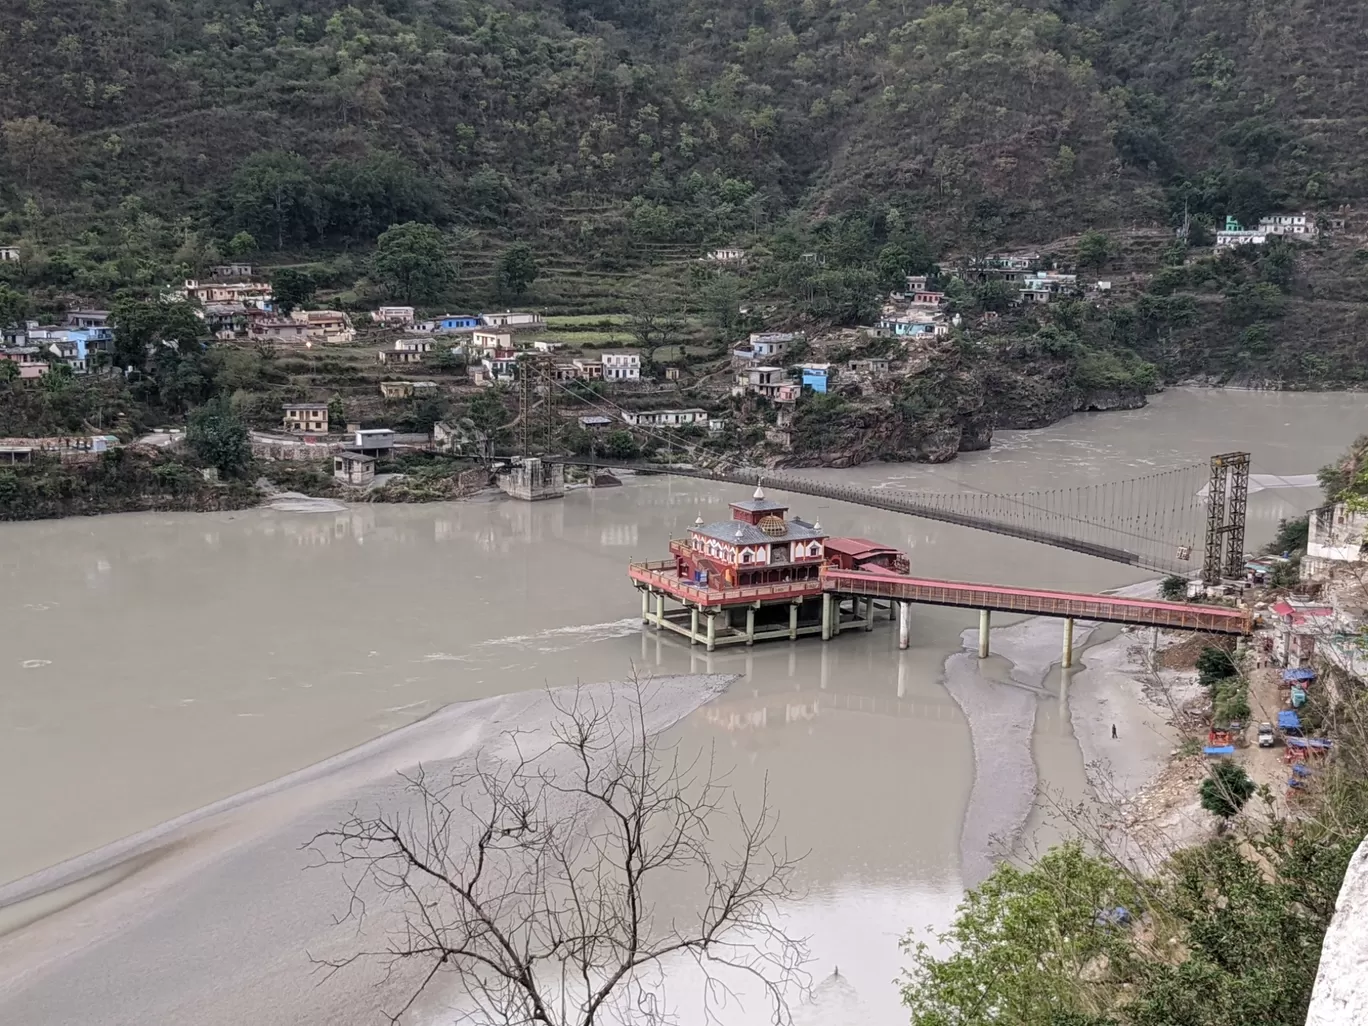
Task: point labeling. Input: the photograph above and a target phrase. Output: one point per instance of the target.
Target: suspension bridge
(1170, 521)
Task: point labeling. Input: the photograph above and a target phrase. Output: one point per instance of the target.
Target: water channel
(153, 664)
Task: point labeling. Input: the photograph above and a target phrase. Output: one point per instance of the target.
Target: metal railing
(662, 574)
(1040, 603)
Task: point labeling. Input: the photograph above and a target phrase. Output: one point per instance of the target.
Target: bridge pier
(750, 625)
(645, 605)
(793, 621)
(1066, 660)
(693, 625)
(660, 610)
(712, 631)
(826, 616)
(985, 625)
(869, 613)
(904, 628)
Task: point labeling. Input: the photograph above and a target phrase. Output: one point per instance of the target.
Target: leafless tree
(532, 881)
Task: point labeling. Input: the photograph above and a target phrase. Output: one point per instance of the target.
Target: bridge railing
(662, 574)
(1111, 609)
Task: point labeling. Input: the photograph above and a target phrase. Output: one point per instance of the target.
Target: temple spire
(759, 491)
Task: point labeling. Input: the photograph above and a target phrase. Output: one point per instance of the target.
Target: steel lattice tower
(1227, 503)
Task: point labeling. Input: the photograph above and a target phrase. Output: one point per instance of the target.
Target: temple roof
(735, 532)
(760, 505)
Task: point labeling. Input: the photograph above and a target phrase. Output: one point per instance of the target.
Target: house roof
(304, 406)
(355, 457)
(736, 532)
(760, 504)
(860, 548)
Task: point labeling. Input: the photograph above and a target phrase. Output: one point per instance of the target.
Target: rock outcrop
(1340, 996)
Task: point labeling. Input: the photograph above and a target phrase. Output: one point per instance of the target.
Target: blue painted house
(816, 376)
(457, 322)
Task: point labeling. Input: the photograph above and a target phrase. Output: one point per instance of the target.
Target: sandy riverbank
(212, 918)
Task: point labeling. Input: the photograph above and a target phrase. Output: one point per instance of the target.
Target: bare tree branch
(531, 878)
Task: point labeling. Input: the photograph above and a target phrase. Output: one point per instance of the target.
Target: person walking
(1113, 731)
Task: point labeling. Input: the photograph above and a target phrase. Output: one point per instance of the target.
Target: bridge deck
(1107, 608)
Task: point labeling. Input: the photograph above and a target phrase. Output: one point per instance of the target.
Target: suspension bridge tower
(1227, 502)
(537, 416)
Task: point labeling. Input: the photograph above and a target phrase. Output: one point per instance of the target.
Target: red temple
(762, 568)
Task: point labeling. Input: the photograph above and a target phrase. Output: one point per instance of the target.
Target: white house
(393, 315)
(1335, 540)
(728, 255)
(1288, 224)
(513, 319)
(9, 254)
(621, 365)
(665, 418)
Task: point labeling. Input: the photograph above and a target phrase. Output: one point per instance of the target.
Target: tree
(241, 244)
(291, 288)
(337, 413)
(1006, 962)
(517, 269)
(274, 195)
(1213, 665)
(14, 306)
(33, 145)
(1173, 588)
(218, 438)
(652, 319)
(530, 878)
(141, 324)
(620, 445)
(411, 262)
(1226, 789)
(9, 372)
(1094, 250)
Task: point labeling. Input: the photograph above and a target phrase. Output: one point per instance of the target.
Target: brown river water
(153, 664)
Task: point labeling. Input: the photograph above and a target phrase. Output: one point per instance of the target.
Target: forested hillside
(310, 123)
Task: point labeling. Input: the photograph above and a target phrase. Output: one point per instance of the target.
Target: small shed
(354, 468)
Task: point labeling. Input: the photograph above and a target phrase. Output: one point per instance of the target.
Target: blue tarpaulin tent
(1219, 750)
(1289, 720)
(1298, 673)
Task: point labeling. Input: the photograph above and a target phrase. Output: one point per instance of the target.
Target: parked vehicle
(1267, 736)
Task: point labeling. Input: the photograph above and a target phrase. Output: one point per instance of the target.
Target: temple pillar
(645, 605)
(1066, 657)
(693, 625)
(712, 630)
(660, 609)
(869, 613)
(904, 624)
(793, 621)
(826, 616)
(985, 625)
(750, 625)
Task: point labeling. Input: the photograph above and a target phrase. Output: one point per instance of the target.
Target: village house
(305, 418)
(816, 376)
(665, 418)
(621, 364)
(406, 350)
(1288, 224)
(392, 315)
(72, 354)
(30, 360)
(765, 347)
(673, 373)
(486, 343)
(326, 326)
(90, 320)
(271, 329)
(513, 319)
(249, 293)
(242, 272)
(1045, 286)
(354, 468)
(770, 382)
(1335, 542)
(595, 422)
(374, 441)
(13, 454)
(926, 297)
(589, 368)
(874, 366)
(728, 255)
(910, 326)
(449, 324)
(396, 389)
(9, 254)
(545, 345)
